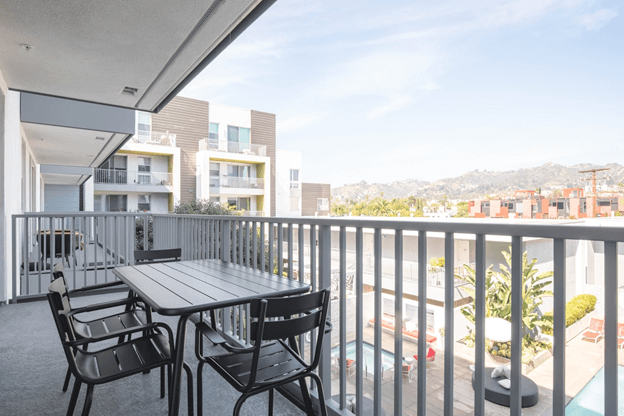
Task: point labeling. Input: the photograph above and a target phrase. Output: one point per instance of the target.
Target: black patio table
(186, 287)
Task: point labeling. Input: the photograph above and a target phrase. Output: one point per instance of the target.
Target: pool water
(387, 358)
(590, 400)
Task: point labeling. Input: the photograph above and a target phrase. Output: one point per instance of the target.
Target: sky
(394, 90)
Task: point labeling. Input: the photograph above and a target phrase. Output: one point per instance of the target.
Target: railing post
(479, 385)
(398, 322)
(225, 241)
(325, 282)
(610, 328)
(14, 257)
(421, 404)
(559, 306)
(377, 252)
(449, 322)
(516, 325)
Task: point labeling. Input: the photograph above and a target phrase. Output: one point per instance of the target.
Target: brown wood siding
(310, 192)
(188, 120)
(263, 133)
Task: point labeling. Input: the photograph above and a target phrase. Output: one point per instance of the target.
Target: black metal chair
(133, 316)
(157, 256)
(151, 350)
(274, 359)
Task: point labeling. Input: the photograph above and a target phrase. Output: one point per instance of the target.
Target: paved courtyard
(577, 376)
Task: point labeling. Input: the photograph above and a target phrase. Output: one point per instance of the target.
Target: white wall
(285, 161)
(62, 198)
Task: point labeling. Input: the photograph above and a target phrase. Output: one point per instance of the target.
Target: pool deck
(577, 376)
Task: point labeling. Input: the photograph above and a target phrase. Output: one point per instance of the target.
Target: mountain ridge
(480, 183)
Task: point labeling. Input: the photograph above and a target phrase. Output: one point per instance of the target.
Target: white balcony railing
(93, 243)
(155, 138)
(236, 182)
(232, 147)
(126, 177)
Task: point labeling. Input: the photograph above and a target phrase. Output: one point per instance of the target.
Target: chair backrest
(293, 316)
(157, 256)
(621, 330)
(596, 325)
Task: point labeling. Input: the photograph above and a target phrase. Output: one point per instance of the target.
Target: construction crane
(593, 179)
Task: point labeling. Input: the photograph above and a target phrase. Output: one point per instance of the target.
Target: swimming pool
(590, 400)
(387, 358)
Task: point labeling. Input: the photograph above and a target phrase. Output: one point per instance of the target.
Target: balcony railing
(236, 182)
(126, 177)
(96, 242)
(155, 138)
(232, 147)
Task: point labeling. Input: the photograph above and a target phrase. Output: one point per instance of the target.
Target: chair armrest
(210, 333)
(96, 287)
(328, 327)
(121, 332)
(103, 305)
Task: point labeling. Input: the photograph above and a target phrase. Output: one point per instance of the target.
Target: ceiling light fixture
(99, 138)
(26, 47)
(129, 90)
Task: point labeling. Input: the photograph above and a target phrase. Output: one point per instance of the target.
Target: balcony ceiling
(53, 145)
(91, 49)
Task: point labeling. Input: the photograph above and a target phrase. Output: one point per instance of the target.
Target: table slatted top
(185, 287)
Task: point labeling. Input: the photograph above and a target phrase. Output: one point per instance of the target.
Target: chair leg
(189, 388)
(200, 395)
(271, 402)
(67, 377)
(305, 393)
(321, 394)
(88, 400)
(74, 397)
(162, 382)
(239, 404)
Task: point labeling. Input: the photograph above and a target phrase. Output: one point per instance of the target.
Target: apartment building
(288, 183)
(525, 204)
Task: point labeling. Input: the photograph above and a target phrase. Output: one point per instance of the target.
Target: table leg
(174, 402)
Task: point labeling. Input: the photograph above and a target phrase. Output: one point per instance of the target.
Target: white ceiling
(91, 49)
(64, 146)
(56, 179)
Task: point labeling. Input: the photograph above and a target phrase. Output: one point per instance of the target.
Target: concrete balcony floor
(33, 366)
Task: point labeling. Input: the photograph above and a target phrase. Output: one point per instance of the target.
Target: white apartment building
(288, 183)
(232, 168)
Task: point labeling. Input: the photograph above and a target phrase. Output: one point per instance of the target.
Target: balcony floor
(33, 366)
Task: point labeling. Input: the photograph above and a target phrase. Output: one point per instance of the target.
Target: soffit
(57, 179)
(53, 145)
(91, 49)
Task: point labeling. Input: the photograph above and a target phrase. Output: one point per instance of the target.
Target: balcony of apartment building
(236, 185)
(153, 138)
(112, 180)
(386, 366)
(233, 147)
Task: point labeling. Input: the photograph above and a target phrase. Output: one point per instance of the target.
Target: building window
(322, 204)
(213, 135)
(294, 178)
(239, 204)
(117, 203)
(238, 139)
(113, 171)
(215, 200)
(144, 127)
(144, 175)
(144, 203)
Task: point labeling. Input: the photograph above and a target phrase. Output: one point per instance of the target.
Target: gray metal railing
(128, 177)
(260, 243)
(155, 138)
(232, 147)
(236, 182)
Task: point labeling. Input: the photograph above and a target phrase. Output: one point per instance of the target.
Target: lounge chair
(620, 340)
(431, 356)
(595, 332)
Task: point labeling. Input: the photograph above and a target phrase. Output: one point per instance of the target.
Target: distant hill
(477, 184)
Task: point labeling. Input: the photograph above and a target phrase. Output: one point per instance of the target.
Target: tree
(462, 210)
(498, 292)
(202, 207)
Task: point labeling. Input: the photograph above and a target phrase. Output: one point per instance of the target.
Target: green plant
(202, 207)
(139, 239)
(436, 262)
(576, 309)
(498, 292)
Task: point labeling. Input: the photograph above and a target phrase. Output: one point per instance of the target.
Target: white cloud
(598, 19)
(394, 104)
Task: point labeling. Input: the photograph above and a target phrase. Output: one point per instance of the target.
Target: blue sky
(384, 91)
